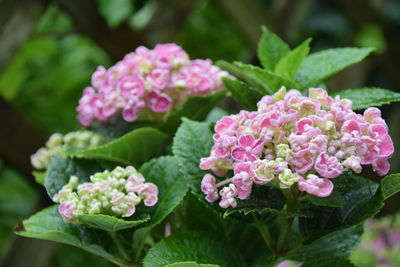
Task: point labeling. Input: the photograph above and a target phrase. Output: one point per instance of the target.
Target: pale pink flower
(228, 195)
(149, 193)
(328, 166)
(315, 185)
(209, 188)
(66, 209)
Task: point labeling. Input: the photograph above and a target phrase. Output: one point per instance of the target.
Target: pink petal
(381, 166)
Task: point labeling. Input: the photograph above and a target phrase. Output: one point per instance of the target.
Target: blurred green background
(49, 49)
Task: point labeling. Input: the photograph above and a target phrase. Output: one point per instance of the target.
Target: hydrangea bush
(279, 182)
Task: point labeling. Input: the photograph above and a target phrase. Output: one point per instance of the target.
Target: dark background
(49, 49)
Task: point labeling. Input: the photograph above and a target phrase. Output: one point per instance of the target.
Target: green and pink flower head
(59, 144)
(115, 193)
(293, 140)
(152, 83)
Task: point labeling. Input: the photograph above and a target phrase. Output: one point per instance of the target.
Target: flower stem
(263, 229)
(224, 182)
(291, 206)
(119, 246)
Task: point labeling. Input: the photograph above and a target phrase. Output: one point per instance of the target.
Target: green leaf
(243, 93)
(271, 49)
(369, 97)
(111, 223)
(289, 64)
(164, 172)
(356, 190)
(390, 185)
(263, 199)
(333, 245)
(48, 224)
(192, 141)
(17, 200)
(39, 176)
(196, 108)
(62, 168)
(321, 65)
(115, 12)
(334, 200)
(265, 81)
(362, 199)
(133, 148)
(215, 115)
(190, 264)
(200, 247)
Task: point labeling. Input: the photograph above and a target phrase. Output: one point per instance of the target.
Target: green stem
(142, 242)
(119, 246)
(292, 202)
(283, 234)
(263, 229)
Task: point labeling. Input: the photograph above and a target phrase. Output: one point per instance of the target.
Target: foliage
(274, 224)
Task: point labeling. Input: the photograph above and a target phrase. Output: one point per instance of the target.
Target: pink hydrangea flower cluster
(115, 192)
(293, 140)
(152, 83)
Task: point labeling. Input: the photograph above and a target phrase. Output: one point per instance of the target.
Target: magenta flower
(158, 102)
(248, 149)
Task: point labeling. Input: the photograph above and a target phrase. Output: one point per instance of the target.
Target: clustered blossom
(293, 140)
(152, 83)
(59, 144)
(116, 193)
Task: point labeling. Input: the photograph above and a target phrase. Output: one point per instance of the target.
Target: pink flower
(243, 179)
(302, 164)
(207, 163)
(315, 185)
(149, 193)
(353, 163)
(131, 86)
(99, 78)
(159, 78)
(134, 183)
(372, 114)
(89, 106)
(227, 125)
(292, 135)
(381, 166)
(209, 188)
(322, 96)
(228, 195)
(158, 102)
(385, 144)
(66, 209)
(248, 148)
(328, 166)
(163, 78)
